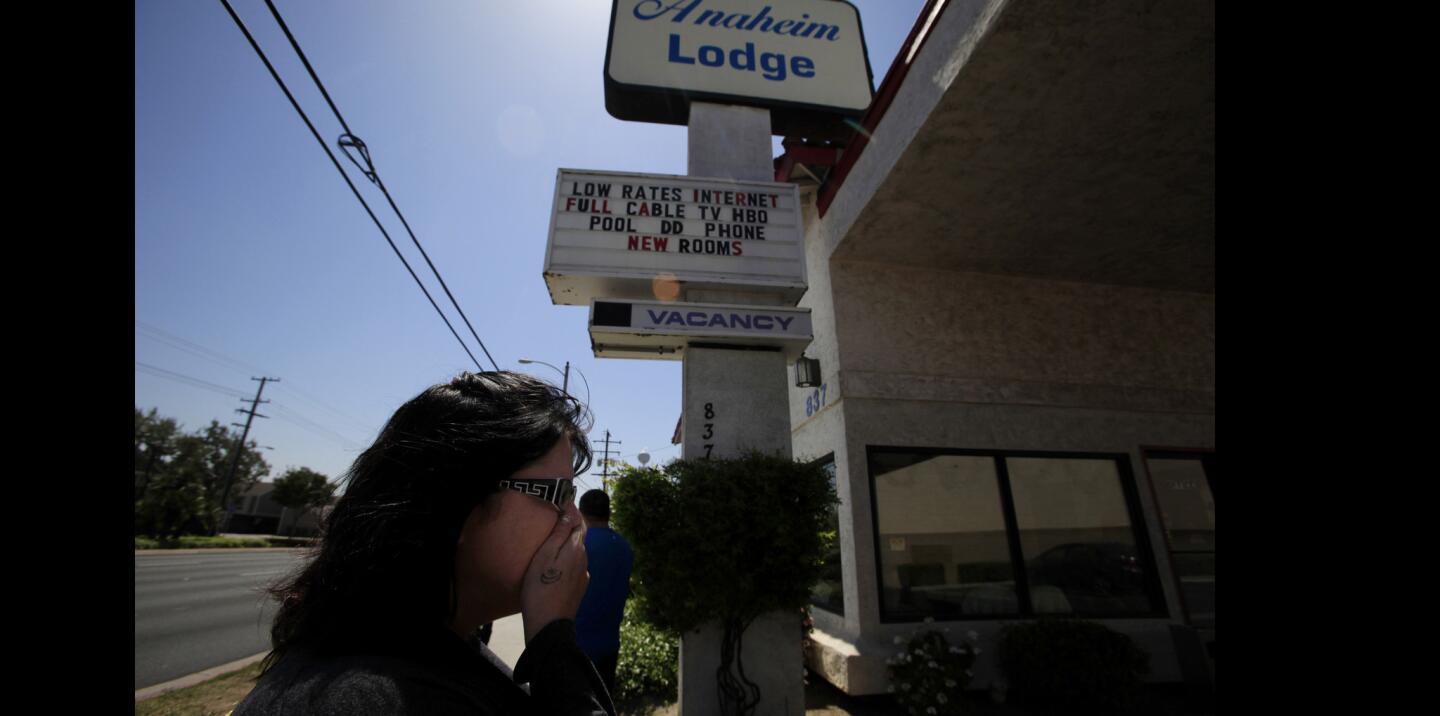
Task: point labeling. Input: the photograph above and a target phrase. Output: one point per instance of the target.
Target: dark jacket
(434, 673)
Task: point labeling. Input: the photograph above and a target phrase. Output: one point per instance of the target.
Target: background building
(256, 513)
(1012, 280)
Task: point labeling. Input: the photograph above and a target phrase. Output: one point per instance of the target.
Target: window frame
(1128, 488)
(1206, 458)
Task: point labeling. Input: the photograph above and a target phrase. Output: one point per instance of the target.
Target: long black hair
(385, 560)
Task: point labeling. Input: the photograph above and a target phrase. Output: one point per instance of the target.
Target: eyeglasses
(557, 491)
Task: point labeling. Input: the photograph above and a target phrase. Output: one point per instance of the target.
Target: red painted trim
(883, 97)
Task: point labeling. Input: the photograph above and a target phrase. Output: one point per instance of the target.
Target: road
(202, 609)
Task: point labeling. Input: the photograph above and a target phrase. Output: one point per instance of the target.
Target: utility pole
(240, 448)
(605, 463)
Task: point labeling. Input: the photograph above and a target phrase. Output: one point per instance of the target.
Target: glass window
(1081, 555)
(829, 592)
(943, 550)
(1187, 507)
(953, 527)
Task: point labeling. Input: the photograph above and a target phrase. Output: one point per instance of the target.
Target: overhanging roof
(1077, 141)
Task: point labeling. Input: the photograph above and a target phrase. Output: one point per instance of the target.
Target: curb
(150, 692)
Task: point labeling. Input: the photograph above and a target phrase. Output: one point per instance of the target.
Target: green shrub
(198, 541)
(724, 538)
(649, 659)
(290, 541)
(1071, 666)
(722, 541)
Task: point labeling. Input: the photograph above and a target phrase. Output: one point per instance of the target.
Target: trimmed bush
(724, 541)
(649, 660)
(197, 541)
(1070, 666)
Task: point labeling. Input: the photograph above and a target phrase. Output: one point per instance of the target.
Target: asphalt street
(194, 611)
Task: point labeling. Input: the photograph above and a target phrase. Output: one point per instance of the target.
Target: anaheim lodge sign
(803, 59)
(622, 235)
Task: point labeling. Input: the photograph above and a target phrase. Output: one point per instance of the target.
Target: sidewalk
(508, 639)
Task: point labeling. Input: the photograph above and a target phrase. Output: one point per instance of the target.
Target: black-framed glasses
(558, 491)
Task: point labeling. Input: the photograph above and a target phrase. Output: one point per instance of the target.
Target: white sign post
(710, 266)
(737, 399)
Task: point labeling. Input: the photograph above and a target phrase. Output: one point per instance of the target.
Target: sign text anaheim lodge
(803, 59)
(612, 234)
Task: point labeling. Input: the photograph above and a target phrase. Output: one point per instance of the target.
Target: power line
(350, 140)
(174, 341)
(182, 378)
(652, 452)
(289, 415)
(286, 414)
(261, 53)
(352, 421)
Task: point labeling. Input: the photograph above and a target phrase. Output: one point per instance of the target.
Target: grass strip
(216, 697)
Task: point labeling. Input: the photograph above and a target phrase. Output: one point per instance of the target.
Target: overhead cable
(346, 177)
(348, 140)
(182, 378)
(193, 348)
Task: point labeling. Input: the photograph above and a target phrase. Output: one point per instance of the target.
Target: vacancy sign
(662, 330)
(804, 54)
(619, 235)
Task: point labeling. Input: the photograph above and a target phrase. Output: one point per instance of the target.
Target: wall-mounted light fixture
(807, 372)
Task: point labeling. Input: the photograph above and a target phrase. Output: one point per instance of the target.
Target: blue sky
(252, 257)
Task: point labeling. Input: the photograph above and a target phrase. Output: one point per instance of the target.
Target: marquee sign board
(803, 59)
(662, 330)
(619, 235)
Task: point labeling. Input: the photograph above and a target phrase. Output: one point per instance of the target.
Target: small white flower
(973, 636)
(949, 684)
(930, 709)
(941, 698)
(904, 687)
(956, 650)
(934, 665)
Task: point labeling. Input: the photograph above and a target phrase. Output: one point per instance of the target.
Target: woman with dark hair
(460, 513)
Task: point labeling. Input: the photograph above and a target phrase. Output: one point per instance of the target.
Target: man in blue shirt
(597, 624)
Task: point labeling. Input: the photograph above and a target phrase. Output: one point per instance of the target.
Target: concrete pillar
(737, 399)
(730, 141)
(770, 651)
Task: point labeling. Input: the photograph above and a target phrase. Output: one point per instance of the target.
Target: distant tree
(175, 505)
(302, 489)
(182, 493)
(154, 443)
